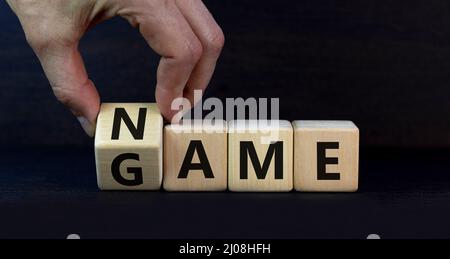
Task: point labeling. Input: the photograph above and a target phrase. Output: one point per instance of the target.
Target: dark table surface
(52, 192)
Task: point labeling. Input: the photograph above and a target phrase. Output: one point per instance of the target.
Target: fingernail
(87, 126)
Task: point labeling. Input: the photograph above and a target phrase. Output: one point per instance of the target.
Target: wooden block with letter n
(326, 156)
(260, 155)
(195, 156)
(128, 146)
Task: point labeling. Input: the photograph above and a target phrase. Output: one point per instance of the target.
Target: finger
(170, 35)
(67, 75)
(211, 38)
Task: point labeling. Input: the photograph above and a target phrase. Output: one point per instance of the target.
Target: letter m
(247, 149)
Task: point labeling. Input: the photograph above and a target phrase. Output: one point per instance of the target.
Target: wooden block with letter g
(128, 146)
(260, 156)
(326, 156)
(195, 156)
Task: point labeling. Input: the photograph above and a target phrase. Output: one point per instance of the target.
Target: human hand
(183, 32)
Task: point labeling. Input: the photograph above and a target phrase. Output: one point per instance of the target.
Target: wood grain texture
(177, 140)
(261, 136)
(306, 136)
(149, 148)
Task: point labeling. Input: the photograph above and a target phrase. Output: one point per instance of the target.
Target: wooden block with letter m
(128, 146)
(260, 156)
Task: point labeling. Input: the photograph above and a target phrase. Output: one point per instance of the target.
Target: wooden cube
(326, 156)
(128, 146)
(260, 156)
(195, 156)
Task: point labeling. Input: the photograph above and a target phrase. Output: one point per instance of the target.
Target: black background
(383, 64)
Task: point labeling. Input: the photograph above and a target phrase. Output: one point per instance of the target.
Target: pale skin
(182, 32)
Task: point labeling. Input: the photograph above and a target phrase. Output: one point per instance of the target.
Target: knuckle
(37, 41)
(63, 95)
(192, 52)
(215, 42)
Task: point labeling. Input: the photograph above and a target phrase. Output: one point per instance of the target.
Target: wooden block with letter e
(326, 156)
(260, 155)
(195, 156)
(128, 146)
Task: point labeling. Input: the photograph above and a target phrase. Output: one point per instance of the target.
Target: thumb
(65, 70)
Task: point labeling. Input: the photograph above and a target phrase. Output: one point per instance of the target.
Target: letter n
(121, 115)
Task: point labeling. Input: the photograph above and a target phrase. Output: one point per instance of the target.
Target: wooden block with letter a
(195, 156)
(128, 146)
(260, 155)
(326, 156)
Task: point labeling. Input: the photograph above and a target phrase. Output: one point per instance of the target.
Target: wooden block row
(243, 156)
